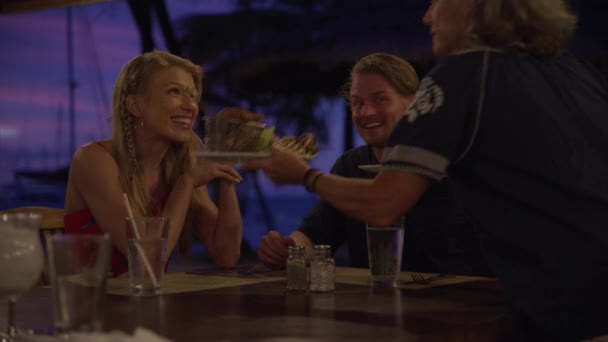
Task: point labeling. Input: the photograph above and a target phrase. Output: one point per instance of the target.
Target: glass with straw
(147, 252)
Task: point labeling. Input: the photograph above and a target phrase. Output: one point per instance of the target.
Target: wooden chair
(52, 218)
(51, 223)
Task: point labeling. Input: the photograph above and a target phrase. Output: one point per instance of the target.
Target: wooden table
(451, 309)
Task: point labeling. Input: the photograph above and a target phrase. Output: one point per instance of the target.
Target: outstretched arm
(220, 227)
(196, 177)
(378, 201)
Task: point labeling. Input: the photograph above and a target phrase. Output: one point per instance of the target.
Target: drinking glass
(78, 264)
(384, 250)
(147, 249)
(21, 261)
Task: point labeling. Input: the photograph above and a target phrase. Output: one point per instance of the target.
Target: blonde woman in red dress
(149, 157)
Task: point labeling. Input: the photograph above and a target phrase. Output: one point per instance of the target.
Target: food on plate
(234, 130)
(238, 130)
(304, 144)
(240, 114)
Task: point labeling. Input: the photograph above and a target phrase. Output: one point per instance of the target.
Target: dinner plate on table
(371, 168)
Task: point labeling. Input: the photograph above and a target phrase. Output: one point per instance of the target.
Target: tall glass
(21, 261)
(78, 264)
(147, 253)
(384, 250)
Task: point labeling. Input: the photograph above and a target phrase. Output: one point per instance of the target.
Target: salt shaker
(322, 270)
(296, 269)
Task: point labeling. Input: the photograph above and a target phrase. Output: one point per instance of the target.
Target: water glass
(21, 261)
(78, 265)
(384, 251)
(147, 249)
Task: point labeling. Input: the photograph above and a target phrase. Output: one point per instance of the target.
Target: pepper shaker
(296, 269)
(322, 270)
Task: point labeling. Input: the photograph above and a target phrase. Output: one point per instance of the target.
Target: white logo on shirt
(429, 98)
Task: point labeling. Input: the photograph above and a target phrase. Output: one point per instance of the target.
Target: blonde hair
(133, 79)
(397, 71)
(537, 27)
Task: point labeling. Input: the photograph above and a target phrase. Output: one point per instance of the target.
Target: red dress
(83, 222)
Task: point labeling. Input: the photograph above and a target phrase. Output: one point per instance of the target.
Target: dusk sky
(33, 65)
(34, 81)
(34, 92)
(34, 97)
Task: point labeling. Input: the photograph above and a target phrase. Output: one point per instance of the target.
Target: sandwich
(305, 144)
(239, 130)
(236, 130)
(240, 115)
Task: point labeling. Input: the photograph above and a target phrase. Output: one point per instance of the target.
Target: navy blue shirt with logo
(439, 236)
(524, 141)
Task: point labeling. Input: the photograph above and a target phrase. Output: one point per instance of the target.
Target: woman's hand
(202, 171)
(283, 166)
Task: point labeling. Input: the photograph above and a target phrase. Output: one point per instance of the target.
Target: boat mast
(71, 85)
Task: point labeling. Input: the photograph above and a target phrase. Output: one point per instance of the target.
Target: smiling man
(439, 237)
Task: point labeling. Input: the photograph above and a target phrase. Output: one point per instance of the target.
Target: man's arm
(377, 201)
(381, 200)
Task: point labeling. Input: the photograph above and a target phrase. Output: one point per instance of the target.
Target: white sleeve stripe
(482, 95)
(419, 170)
(409, 157)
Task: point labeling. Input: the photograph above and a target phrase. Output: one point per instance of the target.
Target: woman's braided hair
(133, 79)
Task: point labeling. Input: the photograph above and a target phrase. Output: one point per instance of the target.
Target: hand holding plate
(284, 165)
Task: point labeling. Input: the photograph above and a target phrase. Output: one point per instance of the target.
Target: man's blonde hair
(397, 71)
(133, 79)
(537, 27)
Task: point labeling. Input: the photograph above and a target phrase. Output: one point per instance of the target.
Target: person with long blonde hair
(520, 127)
(150, 159)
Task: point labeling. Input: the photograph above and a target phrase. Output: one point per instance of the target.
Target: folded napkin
(139, 335)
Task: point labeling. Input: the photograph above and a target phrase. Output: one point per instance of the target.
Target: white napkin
(139, 335)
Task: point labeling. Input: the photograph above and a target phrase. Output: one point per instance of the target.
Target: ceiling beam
(14, 6)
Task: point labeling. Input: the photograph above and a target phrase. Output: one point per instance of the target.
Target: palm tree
(284, 59)
(142, 13)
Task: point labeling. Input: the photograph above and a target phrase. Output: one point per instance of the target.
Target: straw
(137, 245)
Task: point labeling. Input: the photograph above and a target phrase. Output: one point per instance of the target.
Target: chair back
(51, 218)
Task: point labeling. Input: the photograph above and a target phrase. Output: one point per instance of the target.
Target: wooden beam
(13, 6)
